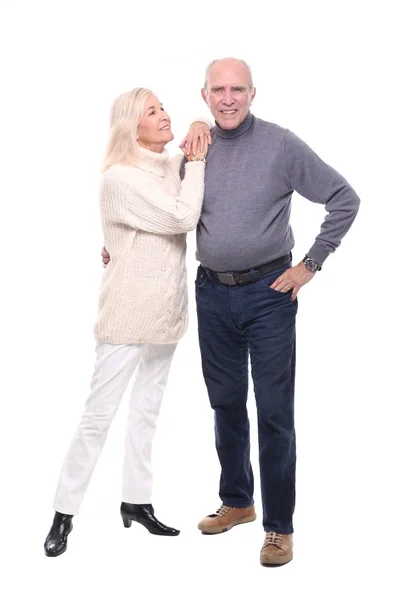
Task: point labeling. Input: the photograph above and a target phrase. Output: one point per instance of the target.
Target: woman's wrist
(196, 159)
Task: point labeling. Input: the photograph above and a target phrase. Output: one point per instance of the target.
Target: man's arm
(315, 180)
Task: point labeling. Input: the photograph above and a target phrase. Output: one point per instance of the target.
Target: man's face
(228, 93)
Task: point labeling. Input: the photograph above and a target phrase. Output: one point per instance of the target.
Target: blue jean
(233, 323)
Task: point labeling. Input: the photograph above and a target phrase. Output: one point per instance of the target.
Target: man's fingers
(275, 283)
(291, 280)
(278, 284)
(282, 286)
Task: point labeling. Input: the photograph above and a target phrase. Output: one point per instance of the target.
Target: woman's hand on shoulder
(197, 140)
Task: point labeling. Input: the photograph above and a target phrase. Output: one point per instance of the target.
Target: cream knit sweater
(146, 212)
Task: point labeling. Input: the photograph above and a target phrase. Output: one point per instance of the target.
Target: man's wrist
(311, 264)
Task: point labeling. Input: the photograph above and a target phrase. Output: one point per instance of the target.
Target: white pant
(114, 368)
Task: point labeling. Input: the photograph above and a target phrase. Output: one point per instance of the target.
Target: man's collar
(233, 133)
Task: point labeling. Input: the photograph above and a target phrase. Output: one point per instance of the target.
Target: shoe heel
(127, 522)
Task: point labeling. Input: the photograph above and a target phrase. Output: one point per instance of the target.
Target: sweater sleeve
(203, 120)
(320, 183)
(143, 205)
(177, 162)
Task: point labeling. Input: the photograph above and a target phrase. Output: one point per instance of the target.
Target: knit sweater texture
(146, 212)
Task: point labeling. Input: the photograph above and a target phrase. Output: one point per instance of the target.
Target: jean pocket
(201, 277)
(269, 279)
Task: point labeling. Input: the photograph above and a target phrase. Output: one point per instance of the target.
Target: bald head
(229, 63)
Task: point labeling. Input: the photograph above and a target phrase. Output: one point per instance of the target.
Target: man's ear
(204, 95)
(253, 94)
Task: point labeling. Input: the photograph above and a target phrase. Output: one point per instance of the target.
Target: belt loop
(254, 275)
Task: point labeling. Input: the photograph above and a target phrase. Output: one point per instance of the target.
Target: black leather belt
(243, 277)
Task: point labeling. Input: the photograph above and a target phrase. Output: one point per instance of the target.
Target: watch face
(311, 265)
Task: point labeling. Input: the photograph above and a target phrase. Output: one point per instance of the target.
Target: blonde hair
(212, 63)
(126, 112)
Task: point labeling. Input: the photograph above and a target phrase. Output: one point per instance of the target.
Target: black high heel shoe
(56, 541)
(144, 514)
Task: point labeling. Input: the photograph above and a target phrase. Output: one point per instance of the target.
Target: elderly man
(246, 291)
(246, 294)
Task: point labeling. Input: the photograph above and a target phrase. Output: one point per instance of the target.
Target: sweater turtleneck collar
(232, 133)
(153, 162)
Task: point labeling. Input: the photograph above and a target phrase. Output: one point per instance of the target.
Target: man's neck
(233, 133)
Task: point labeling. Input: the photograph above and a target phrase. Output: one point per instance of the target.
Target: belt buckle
(227, 278)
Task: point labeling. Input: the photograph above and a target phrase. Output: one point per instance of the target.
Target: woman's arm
(143, 205)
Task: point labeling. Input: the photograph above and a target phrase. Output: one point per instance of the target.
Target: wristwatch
(311, 264)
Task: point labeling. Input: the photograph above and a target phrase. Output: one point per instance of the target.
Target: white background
(327, 71)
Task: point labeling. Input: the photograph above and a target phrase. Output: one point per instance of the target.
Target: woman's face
(154, 130)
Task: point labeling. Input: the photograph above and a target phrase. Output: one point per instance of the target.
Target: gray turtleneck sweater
(251, 174)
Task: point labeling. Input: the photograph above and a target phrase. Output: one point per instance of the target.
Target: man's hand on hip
(293, 279)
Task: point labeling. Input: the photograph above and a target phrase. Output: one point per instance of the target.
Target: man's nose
(228, 98)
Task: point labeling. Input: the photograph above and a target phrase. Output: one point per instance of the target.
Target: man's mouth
(229, 112)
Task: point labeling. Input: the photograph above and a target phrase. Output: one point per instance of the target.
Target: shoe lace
(223, 510)
(274, 539)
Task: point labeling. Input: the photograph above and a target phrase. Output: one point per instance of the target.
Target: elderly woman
(146, 211)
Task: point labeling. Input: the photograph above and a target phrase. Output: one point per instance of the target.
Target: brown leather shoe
(277, 549)
(225, 518)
